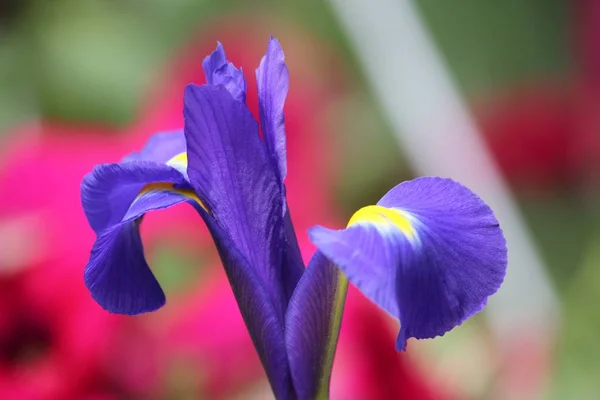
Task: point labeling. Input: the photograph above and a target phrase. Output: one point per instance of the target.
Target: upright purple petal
(114, 198)
(430, 253)
(293, 265)
(213, 62)
(233, 80)
(261, 318)
(230, 170)
(219, 71)
(272, 77)
(312, 326)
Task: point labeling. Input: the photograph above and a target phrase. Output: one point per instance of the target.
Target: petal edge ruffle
(431, 281)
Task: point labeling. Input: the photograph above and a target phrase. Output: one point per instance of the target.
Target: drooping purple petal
(369, 259)
(114, 198)
(264, 325)
(230, 170)
(218, 71)
(431, 252)
(312, 326)
(117, 274)
(272, 77)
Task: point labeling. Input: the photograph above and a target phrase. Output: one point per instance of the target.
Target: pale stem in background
(431, 122)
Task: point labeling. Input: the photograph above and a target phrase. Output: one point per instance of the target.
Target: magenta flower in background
(50, 329)
(430, 252)
(365, 366)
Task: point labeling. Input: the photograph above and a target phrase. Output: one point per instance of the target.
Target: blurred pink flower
(530, 131)
(52, 337)
(366, 365)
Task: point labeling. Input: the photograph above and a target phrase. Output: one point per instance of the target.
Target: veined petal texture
(260, 316)
(272, 77)
(430, 253)
(114, 198)
(230, 170)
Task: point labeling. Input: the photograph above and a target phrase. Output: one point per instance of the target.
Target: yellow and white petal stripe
(178, 162)
(169, 187)
(387, 218)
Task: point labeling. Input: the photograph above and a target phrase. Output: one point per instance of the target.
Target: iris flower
(430, 252)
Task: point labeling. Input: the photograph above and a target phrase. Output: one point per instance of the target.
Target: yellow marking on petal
(383, 215)
(180, 158)
(168, 186)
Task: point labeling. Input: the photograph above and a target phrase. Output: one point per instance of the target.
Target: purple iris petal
(431, 252)
(260, 316)
(115, 197)
(219, 71)
(233, 80)
(117, 274)
(312, 326)
(214, 61)
(108, 191)
(160, 147)
(272, 77)
(293, 263)
(372, 267)
(230, 170)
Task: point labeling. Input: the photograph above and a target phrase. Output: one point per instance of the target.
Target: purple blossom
(430, 252)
